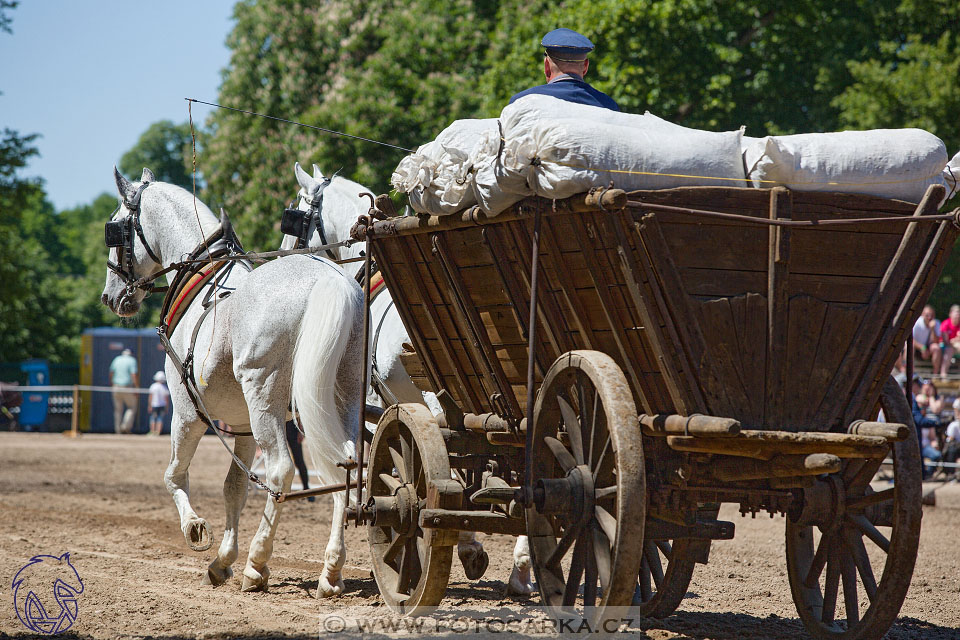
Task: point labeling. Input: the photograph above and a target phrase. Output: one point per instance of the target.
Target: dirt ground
(101, 498)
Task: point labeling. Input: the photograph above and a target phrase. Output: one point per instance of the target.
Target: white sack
(890, 163)
(438, 177)
(560, 158)
(951, 176)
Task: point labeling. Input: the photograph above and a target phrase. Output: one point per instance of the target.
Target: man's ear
(586, 65)
(546, 68)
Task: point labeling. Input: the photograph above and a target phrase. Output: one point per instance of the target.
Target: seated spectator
(926, 428)
(950, 340)
(930, 400)
(926, 338)
(951, 451)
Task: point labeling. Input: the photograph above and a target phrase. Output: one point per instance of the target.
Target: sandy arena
(101, 498)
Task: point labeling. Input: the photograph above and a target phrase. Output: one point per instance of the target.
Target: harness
(298, 223)
(120, 234)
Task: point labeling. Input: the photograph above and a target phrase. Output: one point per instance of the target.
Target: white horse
(339, 209)
(288, 335)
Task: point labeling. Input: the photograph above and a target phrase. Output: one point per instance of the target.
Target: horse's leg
(331, 578)
(520, 583)
(472, 556)
(185, 436)
(270, 434)
(234, 497)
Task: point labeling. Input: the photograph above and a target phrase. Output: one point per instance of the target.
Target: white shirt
(921, 332)
(953, 430)
(159, 395)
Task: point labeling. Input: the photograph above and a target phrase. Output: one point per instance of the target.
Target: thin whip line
(203, 238)
(300, 124)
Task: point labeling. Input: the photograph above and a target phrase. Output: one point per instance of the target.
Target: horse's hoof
(197, 534)
(474, 559)
(216, 576)
(327, 590)
(254, 580)
(517, 586)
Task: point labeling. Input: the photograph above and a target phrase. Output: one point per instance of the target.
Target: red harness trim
(188, 292)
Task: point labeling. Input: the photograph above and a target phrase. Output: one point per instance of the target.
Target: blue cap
(566, 45)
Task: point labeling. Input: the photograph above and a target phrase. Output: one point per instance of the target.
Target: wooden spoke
(603, 453)
(812, 578)
(590, 579)
(857, 549)
(848, 571)
(569, 537)
(577, 563)
(408, 455)
(646, 588)
(394, 550)
(398, 463)
(593, 424)
(572, 424)
(863, 477)
(857, 504)
(665, 548)
(391, 483)
(563, 457)
(604, 493)
(601, 552)
(870, 531)
(851, 469)
(607, 522)
(652, 557)
(832, 586)
(403, 579)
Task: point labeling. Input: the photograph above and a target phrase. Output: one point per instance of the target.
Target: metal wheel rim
(608, 555)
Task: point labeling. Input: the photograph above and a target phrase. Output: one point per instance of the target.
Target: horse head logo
(45, 592)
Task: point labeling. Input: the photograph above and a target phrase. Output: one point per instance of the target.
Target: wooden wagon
(673, 350)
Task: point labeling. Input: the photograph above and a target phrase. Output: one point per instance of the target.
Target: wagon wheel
(850, 548)
(407, 455)
(586, 521)
(665, 573)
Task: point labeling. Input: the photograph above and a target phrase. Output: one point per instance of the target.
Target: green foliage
(167, 150)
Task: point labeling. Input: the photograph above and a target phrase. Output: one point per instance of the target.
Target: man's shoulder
(572, 90)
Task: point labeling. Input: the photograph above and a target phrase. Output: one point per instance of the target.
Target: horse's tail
(327, 357)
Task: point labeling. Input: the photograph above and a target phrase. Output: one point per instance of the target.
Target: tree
(167, 149)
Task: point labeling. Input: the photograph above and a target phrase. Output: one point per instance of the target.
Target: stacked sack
(890, 163)
(548, 147)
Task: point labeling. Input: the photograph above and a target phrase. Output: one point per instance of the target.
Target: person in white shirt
(159, 402)
(951, 451)
(926, 338)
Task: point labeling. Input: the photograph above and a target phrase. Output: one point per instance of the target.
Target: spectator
(295, 440)
(950, 340)
(932, 403)
(124, 379)
(951, 451)
(159, 402)
(926, 338)
(926, 428)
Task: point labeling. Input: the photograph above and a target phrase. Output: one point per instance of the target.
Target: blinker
(292, 223)
(116, 233)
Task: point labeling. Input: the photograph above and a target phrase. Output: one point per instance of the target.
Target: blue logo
(45, 594)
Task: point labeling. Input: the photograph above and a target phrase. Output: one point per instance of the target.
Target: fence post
(75, 415)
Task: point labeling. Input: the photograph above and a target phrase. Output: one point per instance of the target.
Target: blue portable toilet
(33, 411)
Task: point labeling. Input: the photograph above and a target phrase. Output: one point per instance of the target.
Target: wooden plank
(804, 328)
(468, 396)
(482, 349)
(882, 307)
(753, 344)
(386, 253)
(680, 384)
(578, 314)
(778, 273)
(840, 326)
(822, 252)
(677, 310)
(731, 247)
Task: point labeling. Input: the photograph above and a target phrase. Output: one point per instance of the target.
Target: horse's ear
(123, 185)
(317, 174)
(303, 178)
(147, 176)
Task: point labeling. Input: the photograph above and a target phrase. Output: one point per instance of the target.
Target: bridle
(120, 234)
(299, 224)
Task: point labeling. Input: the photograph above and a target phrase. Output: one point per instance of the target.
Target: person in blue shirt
(565, 64)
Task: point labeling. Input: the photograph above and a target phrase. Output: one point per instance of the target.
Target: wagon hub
(571, 495)
(398, 511)
(821, 505)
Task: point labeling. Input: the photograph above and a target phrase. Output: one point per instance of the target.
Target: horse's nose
(103, 299)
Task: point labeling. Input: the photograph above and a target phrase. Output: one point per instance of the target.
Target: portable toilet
(33, 411)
